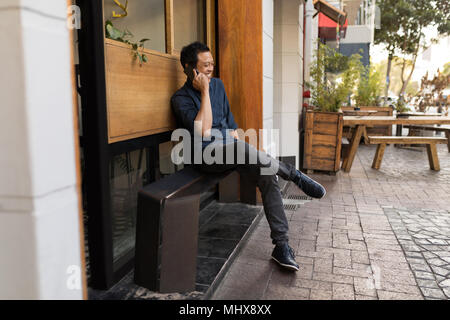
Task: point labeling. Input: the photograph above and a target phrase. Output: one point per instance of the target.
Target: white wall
(39, 231)
(288, 74)
(268, 141)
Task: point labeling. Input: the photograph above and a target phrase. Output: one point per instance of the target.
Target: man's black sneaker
(284, 255)
(309, 186)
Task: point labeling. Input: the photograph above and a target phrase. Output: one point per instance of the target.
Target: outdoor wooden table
(358, 113)
(412, 114)
(363, 121)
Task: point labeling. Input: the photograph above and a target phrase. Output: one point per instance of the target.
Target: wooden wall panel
(241, 59)
(138, 98)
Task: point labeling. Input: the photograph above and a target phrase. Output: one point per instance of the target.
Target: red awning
(328, 28)
(330, 11)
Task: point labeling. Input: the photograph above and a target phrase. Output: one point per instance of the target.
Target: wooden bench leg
(433, 157)
(447, 135)
(378, 156)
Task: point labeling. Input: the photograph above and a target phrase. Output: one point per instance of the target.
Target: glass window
(129, 172)
(145, 20)
(127, 175)
(189, 22)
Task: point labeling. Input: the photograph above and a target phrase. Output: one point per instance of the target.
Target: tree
(395, 73)
(402, 30)
(446, 69)
(369, 87)
(431, 92)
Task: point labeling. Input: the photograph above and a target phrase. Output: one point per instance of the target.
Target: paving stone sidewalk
(376, 235)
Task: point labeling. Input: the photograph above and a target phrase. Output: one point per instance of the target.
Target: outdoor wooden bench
(430, 143)
(446, 130)
(167, 226)
(364, 121)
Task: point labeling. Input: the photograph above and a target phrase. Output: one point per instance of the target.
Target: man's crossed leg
(263, 169)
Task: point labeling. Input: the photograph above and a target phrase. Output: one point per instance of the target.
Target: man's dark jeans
(255, 165)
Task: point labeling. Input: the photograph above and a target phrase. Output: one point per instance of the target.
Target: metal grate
(292, 202)
(298, 197)
(290, 207)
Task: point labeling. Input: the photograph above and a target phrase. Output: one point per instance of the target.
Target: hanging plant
(113, 33)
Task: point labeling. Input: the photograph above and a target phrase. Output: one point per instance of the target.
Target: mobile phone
(189, 71)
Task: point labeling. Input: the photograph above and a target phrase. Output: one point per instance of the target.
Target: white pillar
(310, 37)
(288, 74)
(268, 140)
(39, 228)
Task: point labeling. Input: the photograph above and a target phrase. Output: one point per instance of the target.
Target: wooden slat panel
(324, 152)
(325, 117)
(307, 158)
(324, 140)
(139, 97)
(325, 127)
(340, 127)
(240, 59)
(322, 164)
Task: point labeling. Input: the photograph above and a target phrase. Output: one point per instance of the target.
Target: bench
(430, 143)
(446, 130)
(167, 226)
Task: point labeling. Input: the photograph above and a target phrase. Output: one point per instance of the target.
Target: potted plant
(334, 77)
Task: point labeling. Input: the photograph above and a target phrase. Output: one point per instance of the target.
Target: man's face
(205, 64)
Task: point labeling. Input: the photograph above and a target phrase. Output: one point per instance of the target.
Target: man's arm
(230, 119)
(204, 115)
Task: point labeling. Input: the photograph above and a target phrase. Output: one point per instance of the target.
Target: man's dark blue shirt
(186, 103)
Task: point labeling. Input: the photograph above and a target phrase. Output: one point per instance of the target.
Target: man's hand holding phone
(200, 82)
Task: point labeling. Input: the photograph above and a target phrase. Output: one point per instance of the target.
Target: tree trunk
(388, 78)
(405, 83)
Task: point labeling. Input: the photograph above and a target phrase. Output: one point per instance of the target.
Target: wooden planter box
(323, 141)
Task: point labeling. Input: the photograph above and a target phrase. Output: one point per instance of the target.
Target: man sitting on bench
(201, 106)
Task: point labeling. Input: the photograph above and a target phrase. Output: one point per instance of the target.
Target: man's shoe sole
(288, 266)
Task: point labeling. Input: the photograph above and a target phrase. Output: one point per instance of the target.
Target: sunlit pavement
(376, 235)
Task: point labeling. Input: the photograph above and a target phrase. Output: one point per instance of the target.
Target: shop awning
(328, 28)
(330, 18)
(338, 16)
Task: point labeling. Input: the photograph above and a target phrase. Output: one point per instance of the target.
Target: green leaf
(113, 33)
(144, 57)
(144, 40)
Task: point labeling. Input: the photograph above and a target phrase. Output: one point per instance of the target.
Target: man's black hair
(189, 53)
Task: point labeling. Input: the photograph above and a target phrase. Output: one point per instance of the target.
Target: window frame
(98, 150)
